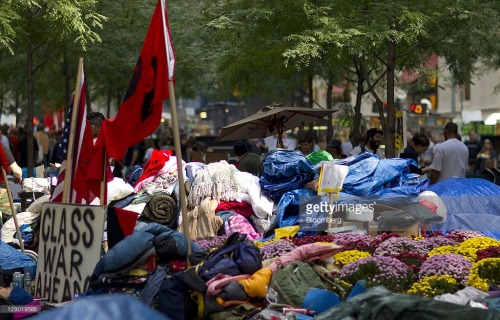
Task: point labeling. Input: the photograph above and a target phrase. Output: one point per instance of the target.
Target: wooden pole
(13, 209)
(175, 127)
(180, 171)
(103, 181)
(72, 133)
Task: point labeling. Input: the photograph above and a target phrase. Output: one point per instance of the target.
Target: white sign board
(331, 178)
(69, 249)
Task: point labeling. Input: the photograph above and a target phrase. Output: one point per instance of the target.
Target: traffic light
(418, 108)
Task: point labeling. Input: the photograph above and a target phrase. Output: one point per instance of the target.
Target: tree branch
(376, 55)
(423, 46)
(348, 70)
(376, 81)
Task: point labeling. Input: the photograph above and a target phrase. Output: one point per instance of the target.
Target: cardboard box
(413, 230)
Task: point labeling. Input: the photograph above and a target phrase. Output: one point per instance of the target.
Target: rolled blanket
(161, 208)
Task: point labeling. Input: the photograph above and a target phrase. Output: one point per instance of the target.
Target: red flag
(139, 115)
(4, 162)
(83, 152)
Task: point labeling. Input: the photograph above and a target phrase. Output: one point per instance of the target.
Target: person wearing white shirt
(451, 158)
(372, 144)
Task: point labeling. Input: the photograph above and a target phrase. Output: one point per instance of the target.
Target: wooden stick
(175, 127)
(103, 181)
(72, 133)
(14, 214)
(180, 171)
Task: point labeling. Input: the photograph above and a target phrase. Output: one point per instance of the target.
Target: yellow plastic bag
(286, 232)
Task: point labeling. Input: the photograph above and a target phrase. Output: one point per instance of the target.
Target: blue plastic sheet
(11, 258)
(281, 165)
(370, 176)
(103, 307)
(293, 205)
(471, 204)
(276, 190)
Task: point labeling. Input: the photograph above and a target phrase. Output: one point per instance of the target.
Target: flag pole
(177, 140)
(103, 181)
(13, 209)
(69, 156)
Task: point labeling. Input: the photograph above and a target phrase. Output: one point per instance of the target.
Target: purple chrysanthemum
(210, 244)
(396, 246)
(276, 249)
(438, 241)
(380, 270)
(452, 264)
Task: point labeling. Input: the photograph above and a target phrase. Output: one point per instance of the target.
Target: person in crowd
(134, 156)
(486, 157)
(23, 150)
(95, 119)
(348, 146)
(149, 145)
(306, 143)
(15, 169)
(474, 146)
(5, 139)
(14, 140)
(43, 140)
(57, 138)
(258, 146)
(420, 143)
(451, 158)
(371, 144)
(334, 147)
(429, 153)
(248, 161)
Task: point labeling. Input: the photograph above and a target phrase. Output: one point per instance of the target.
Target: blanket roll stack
(162, 209)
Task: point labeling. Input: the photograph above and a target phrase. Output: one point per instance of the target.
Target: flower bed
(425, 266)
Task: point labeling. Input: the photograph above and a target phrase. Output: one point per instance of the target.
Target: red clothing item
(243, 208)
(155, 163)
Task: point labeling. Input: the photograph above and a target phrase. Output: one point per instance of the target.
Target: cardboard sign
(69, 249)
(331, 178)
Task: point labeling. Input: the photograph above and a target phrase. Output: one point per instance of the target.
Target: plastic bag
(286, 232)
(317, 156)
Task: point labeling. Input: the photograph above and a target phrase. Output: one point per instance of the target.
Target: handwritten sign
(69, 249)
(331, 178)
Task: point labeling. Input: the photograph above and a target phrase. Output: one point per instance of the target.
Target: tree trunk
(379, 102)
(88, 102)
(329, 105)
(310, 89)
(357, 132)
(108, 104)
(390, 124)
(67, 80)
(29, 121)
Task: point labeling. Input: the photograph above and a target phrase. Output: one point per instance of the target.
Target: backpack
(293, 282)
(236, 256)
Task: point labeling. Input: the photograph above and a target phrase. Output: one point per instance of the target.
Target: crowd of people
(446, 156)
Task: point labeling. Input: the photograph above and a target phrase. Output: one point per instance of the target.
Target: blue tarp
(103, 307)
(472, 204)
(293, 206)
(370, 176)
(11, 258)
(370, 180)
